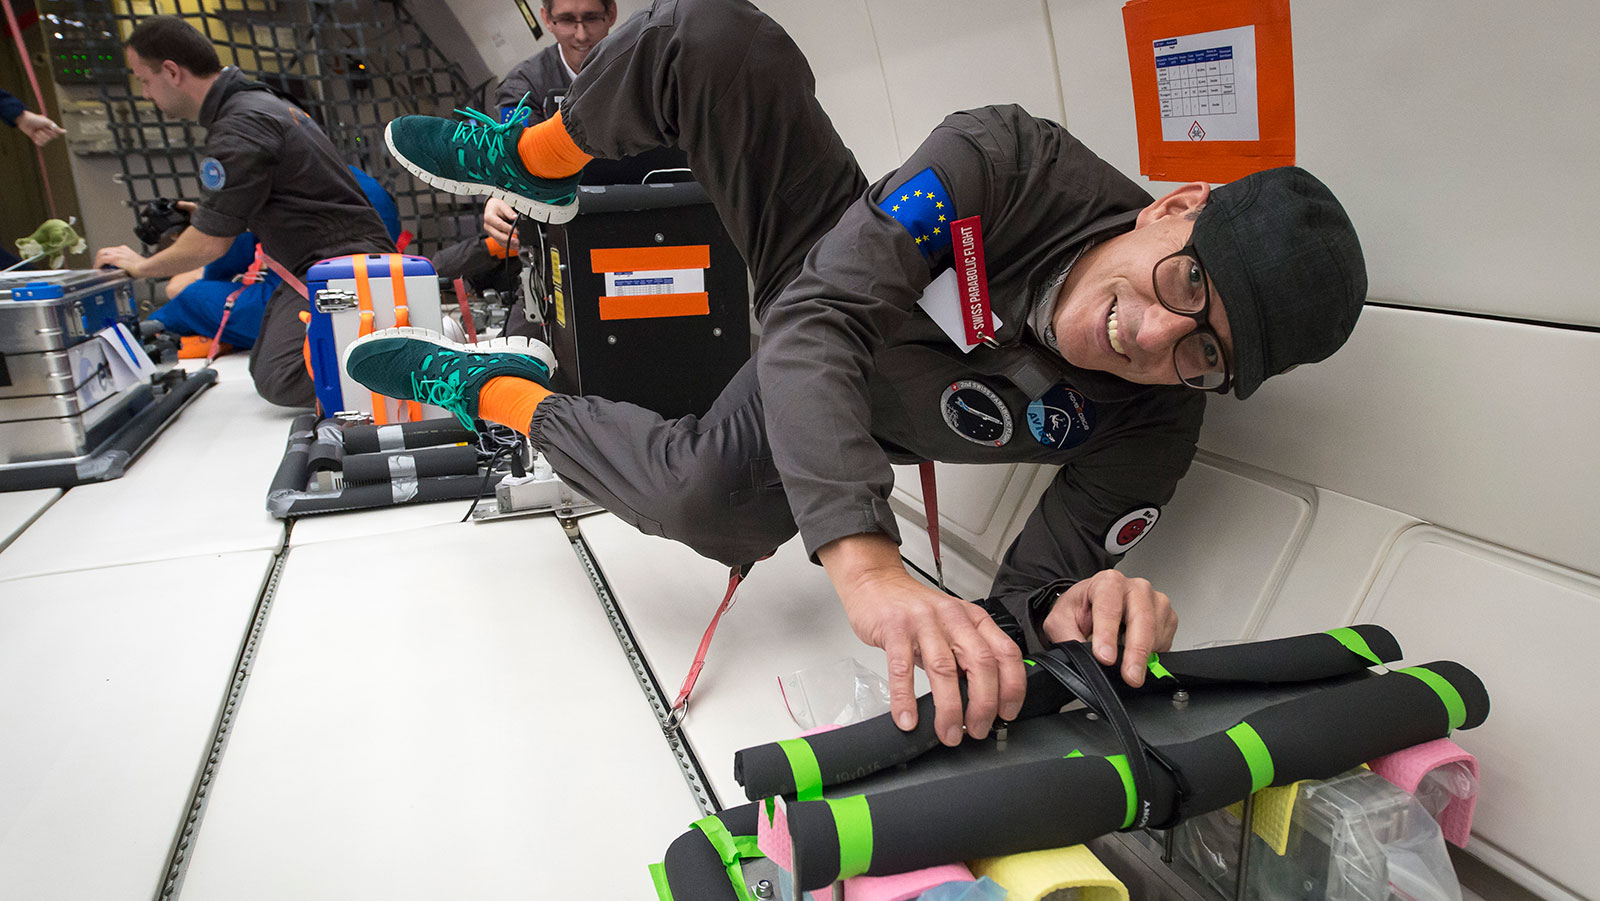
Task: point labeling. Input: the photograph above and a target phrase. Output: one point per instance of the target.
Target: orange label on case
(655, 306)
(633, 259)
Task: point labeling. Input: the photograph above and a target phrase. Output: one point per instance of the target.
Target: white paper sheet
(1206, 84)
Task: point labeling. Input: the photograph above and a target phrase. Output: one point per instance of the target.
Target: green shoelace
(483, 132)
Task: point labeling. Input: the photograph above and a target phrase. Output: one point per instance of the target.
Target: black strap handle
(1075, 667)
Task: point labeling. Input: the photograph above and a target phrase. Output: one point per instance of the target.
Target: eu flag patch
(924, 207)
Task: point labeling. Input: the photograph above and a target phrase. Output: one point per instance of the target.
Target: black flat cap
(1284, 258)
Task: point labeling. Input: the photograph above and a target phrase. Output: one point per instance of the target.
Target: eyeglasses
(587, 20)
(1182, 286)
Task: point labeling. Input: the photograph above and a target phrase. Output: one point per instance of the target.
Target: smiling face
(1107, 317)
(578, 25)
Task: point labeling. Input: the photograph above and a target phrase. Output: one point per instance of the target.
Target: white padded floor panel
(110, 684)
(787, 618)
(442, 713)
(384, 521)
(18, 508)
(201, 488)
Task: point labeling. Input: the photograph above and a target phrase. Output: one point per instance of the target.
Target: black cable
(488, 472)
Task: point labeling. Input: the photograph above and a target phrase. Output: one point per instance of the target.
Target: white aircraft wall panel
(837, 38)
(1222, 547)
(940, 56)
(1484, 427)
(1528, 629)
(1336, 564)
(978, 504)
(1460, 140)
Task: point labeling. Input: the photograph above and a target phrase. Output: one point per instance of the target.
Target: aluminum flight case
(55, 309)
(646, 297)
(57, 395)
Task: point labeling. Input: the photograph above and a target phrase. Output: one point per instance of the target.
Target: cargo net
(354, 65)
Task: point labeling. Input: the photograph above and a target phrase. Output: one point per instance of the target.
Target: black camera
(158, 217)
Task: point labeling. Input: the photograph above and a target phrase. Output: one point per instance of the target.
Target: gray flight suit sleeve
(531, 78)
(247, 144)
(1067, 538)
(858, 284)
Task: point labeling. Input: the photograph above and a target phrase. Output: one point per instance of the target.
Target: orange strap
(402, 315)
(364, 300)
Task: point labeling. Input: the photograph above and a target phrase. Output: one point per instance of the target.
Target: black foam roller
(364, 439)
(1050, 803)
(694, 871)
(454, 460)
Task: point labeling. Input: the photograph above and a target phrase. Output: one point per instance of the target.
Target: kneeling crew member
(268, 169)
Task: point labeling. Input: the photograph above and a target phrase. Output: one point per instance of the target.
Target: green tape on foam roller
(1256, 755)
(803, 764)
(852, 819)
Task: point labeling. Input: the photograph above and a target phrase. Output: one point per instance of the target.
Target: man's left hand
(123, 257)
(1099, 608)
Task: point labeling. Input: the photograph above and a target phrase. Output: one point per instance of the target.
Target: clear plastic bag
(1446, 784)
(834, 694)
(1355, 837)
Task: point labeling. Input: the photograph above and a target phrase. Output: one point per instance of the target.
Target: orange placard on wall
(1213, 87)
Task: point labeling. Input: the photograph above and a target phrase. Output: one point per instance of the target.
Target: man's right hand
(39, 129)
(499, 220)
(916, 625)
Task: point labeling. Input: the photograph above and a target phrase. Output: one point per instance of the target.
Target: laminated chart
(1206, 86)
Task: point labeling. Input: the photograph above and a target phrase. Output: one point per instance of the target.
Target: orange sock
(548, 152)
(510, 401)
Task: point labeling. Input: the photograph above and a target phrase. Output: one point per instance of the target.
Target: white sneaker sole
(515, 344)
(544, 212)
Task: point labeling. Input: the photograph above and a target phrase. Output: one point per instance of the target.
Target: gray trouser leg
(277, 361)
(723, 82)
(706, 481)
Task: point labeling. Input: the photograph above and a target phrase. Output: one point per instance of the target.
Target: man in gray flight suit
(268, 169)
(578, 26)
(1112, 309)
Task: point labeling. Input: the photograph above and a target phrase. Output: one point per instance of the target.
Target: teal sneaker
(424, 366)
(479, 156)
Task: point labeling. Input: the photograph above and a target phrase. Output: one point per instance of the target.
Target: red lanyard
(680, 705)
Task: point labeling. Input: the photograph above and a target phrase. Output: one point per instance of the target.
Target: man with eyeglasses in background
(1113, 307)
(578, 25)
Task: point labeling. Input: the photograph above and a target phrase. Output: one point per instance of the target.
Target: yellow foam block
(1274, 810)
(1035, 874)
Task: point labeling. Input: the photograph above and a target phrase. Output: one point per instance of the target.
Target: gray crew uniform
(851, 376)
(269, 169)
(534, 77)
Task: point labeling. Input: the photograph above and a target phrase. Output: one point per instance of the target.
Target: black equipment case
(647, 300)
